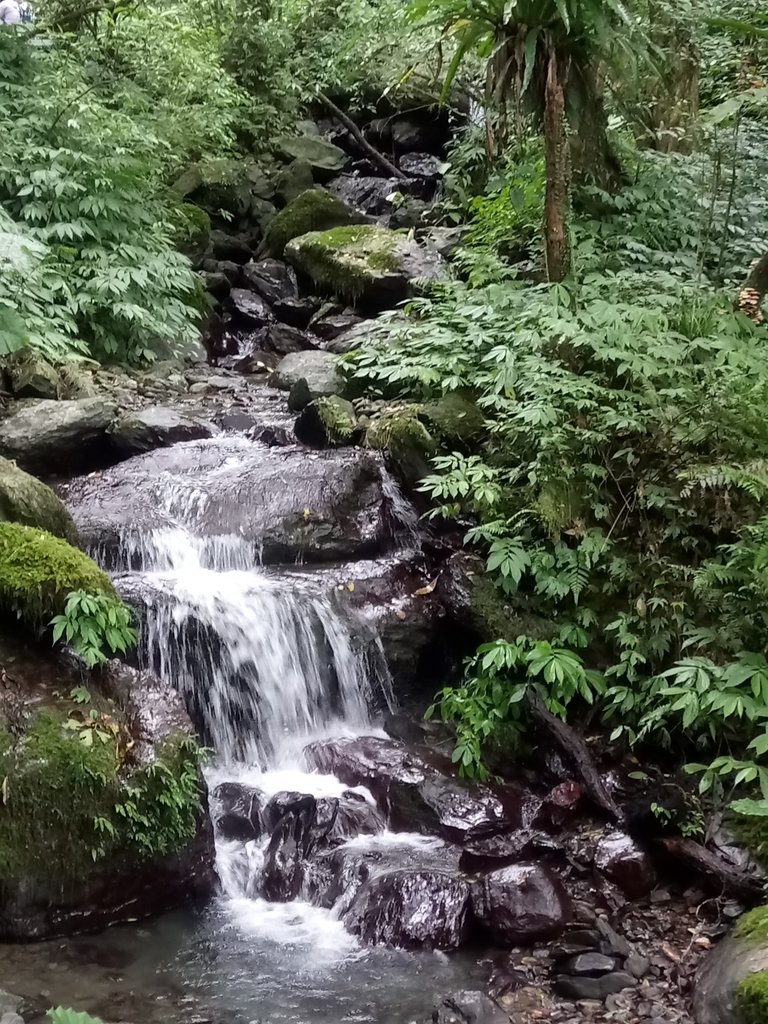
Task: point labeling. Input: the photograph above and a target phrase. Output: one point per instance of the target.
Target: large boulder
(732, 982)
(370, 266)
(416, 796)
(620, 859)
(272, 279)
(47, 437)
(313, 210)
(290, 503)
(155, 426)
(411, 910)
(521, 904)
(327, 423)
(61, 872)
(24, 499)
(325, 159)
(237, 811)
(319, 370)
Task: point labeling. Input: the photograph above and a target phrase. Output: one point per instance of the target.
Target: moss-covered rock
(405, 440)
(29, 375)
(313, 210)
(454, 419)
(38, 570)
(372, 266)
(294, 180)
(753, 925)
(239, 188)
(328, 422)
(26, 500)
(751, 998)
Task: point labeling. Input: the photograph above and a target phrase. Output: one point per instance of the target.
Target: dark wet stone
(330, 327)
(288, 803)
(250, 306)
(369, 195)
(592, 964)
(272, 279)
(216, 283)
(283, 871)
(469, 1008)
(611, 941)
(327, 423)
(284, 339)
(622, 862)
(521, 904)
(420, 165)
(296, 312)
(355, 817)
(559, 806)
(46, 437)
(415, 796)
(237, 811)
(576, 940)
(593, 988)
(229, 247)
(256, 362)
(411, 910)
(495, 852)
(155, 426)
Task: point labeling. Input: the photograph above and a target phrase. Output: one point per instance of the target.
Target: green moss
(337, 417)
(313, 210)
(454, 419)
(69, 804)
(26, 500)
(346, 261)
(751, 998)
(753, 925)
(751, 833)
(38, 570)
(408, 444)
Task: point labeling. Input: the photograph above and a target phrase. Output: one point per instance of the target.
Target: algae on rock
(313, 210)
(25, 499)
(38, 570)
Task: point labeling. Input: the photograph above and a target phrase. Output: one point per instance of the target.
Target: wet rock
(325, 159)
(155, 426)
(469, 1008)
(250, 306)
(26, 500)
(238, 811)
(414, 795)
(742, 955)
(611, 941)
(283, 871)
(420, 165)
(296, 312)
(256, 362)
(411, 910)
(622, 862)
(216, 283)
(495, 852)
(356, 336)
(285, 339)
(319, 370)
(229, 247)
(288, 803)
(412, 136)
(559, 806)
(521, 904)
(330, 327)
(592, 964)
(593, 988)
(232, 271)
(373, 267)
(29, 375)
(327, 423)
(355, 816)
(292, 502)
(272, 279)
(46, 436)
(373, 196)
(293, 180)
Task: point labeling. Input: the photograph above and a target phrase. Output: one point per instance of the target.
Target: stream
(269, 658)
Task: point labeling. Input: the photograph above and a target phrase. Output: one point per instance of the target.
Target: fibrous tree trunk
(592, 157)
(754, 290)
(558, 172)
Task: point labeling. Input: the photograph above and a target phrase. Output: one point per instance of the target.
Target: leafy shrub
(92, 624)
(61, 1016)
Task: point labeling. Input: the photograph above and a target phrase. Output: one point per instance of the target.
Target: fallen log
(575, 750)
(358, 136)
(720, 877)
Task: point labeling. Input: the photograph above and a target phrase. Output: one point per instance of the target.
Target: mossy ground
(753, 925)
(312, 211)
(70, 799)
(751, 998)
(347, 260)
(38, 570)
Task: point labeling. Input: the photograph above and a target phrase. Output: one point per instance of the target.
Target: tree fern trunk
(558, 170)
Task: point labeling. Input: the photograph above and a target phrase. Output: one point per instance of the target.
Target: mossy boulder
(370, 266)
(239, 188)
(26, 500)
(38, 570)
(28, 374)
(406, 442)
(328, 422)
(454, 420)
(294, 180)
(313, 210)
(732, 982)
(323, 157)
